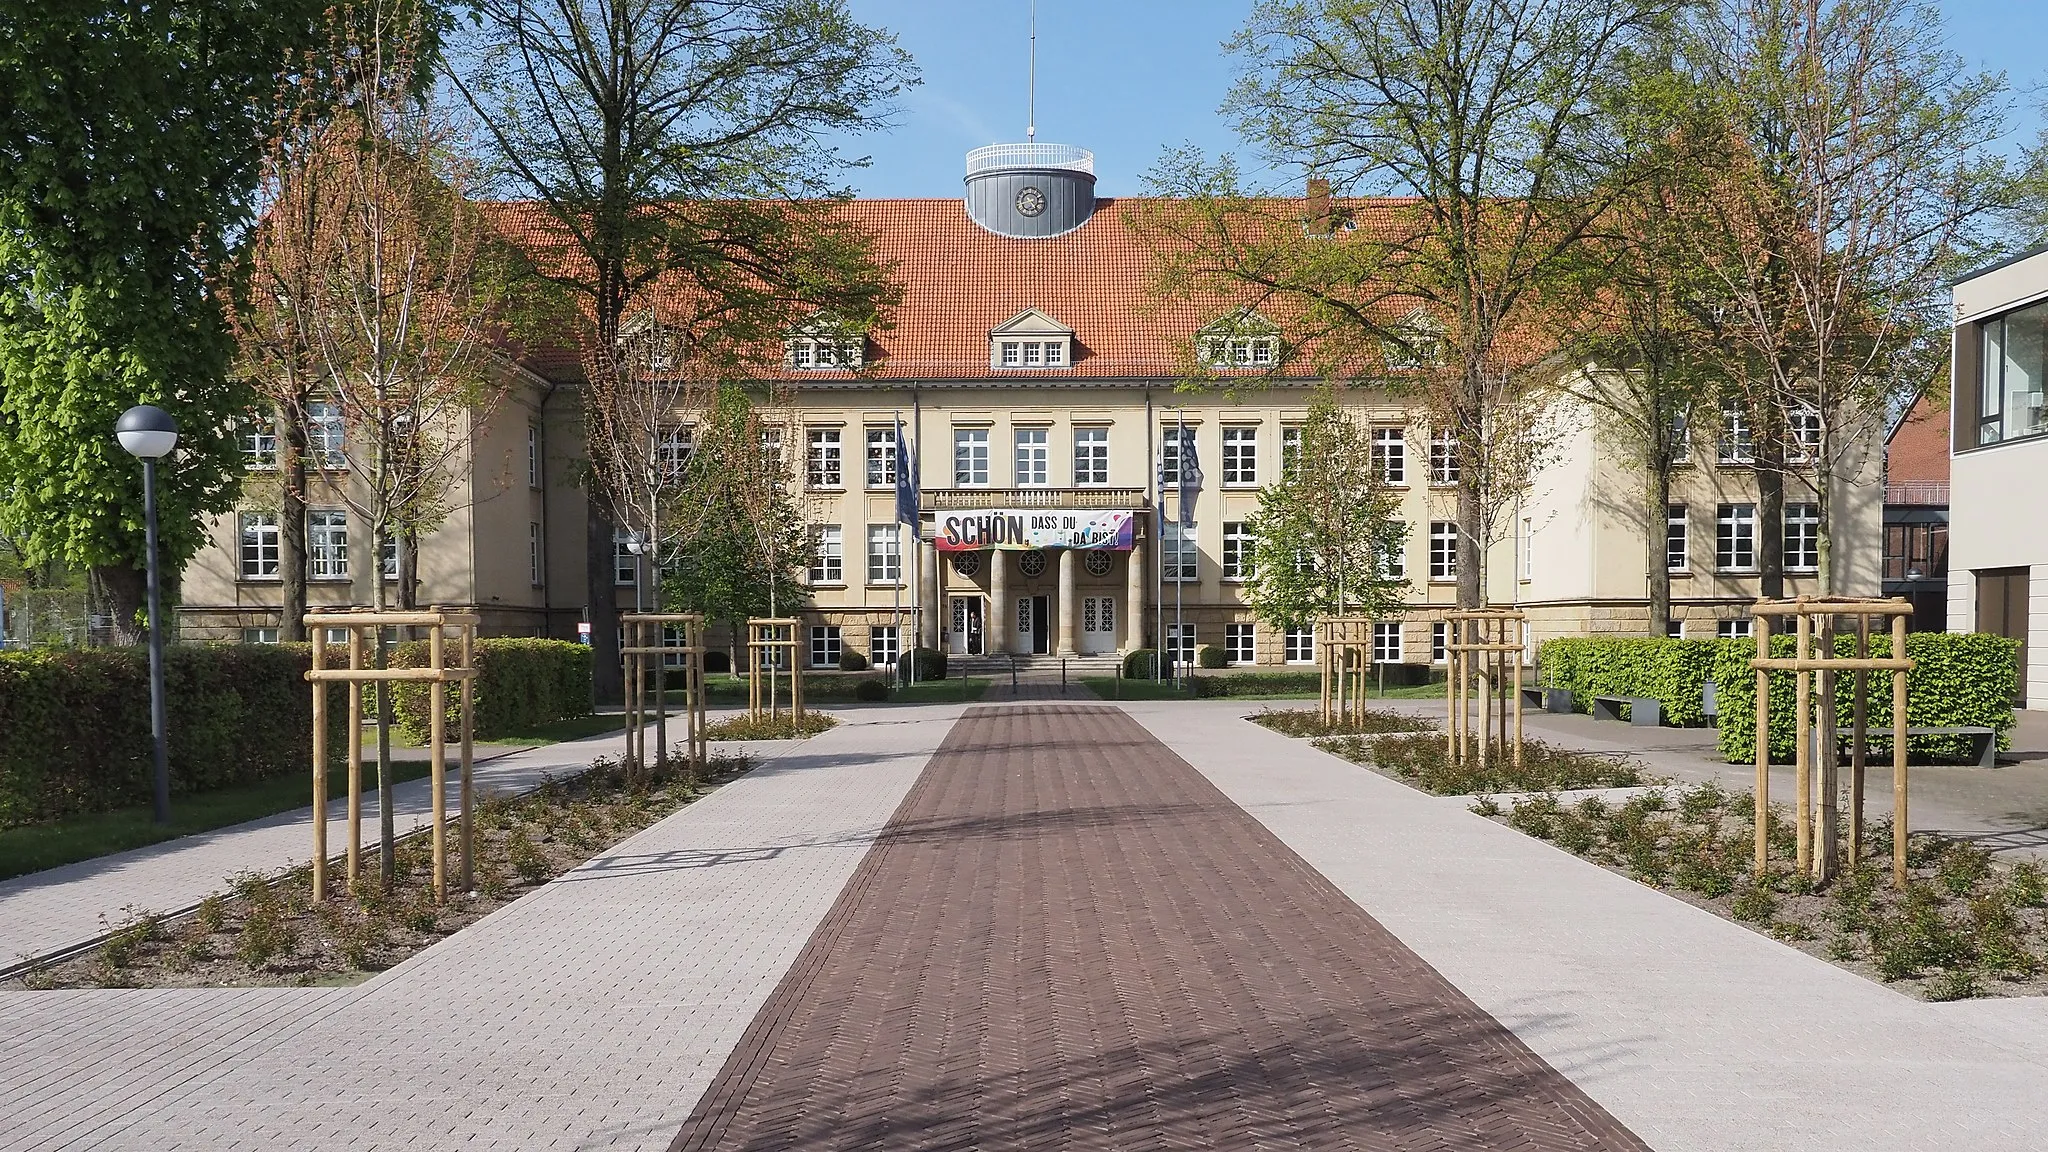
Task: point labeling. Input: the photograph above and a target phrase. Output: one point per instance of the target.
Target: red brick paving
(1067, 938)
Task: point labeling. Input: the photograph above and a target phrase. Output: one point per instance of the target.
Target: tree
(679, 142)
(1325, 533)
(130, 148)
(1859, 180)
(1490, 115)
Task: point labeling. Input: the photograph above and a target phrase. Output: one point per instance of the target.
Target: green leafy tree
(1325, 536)
(130, 141)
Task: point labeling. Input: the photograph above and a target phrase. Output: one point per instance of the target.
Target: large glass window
(625, 561)
(882, 646)
(825, 460)
(1240, 644)
(1738, 440)
(1390, 454)
(1180, 556)
(1675, 537)
(1180, 644)
(1299, 646)
(1386, 642)
(1443, 457)
(1735, 537)
(1237, 551)
(881, 457)
(885, 558)
(259, 545)
(2010, 387)
(259, 447)
(1443, 550)
(324, 442)
(327, 544)
(970, 457)
(1802, 537)
(828, 560)
(1240, 455)
(1091, 456)
(825, 646)
(1034, 458)
(1290, 449)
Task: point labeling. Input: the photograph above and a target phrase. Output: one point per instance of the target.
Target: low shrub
(1672, 672)
(75, 733)
(1255, 684)
(1309, 722)
(781, 727)
(1141, 664)
(1210, 656)
(871, 691)
(927, 664)
(851, 660)
(1423, 761)
(522, 683)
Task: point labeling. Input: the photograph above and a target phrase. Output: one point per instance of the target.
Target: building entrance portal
(1098, 625)
(1034, 624)
(966, 626)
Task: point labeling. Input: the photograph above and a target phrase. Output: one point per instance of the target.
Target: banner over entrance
(1022, 529)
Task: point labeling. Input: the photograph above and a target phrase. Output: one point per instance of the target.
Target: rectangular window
(1241, 456)
(1290, 449)
(1443, 550)
(1802, 537)
(536, 566)
(1240, 644)
(885, 556)
(1804, 424)
(259, 447)
(1386, 642)
(259, 635)
(259, 545)
(1738, 440)
(1091, 456)
(625, 561)
(825, 646)
(1675, 542)
(881, 457)
(828, 558)
(672, 452)
(1034, 458)
(1298, 645)
(1390, 454)
(533, 469)
(771, 453)
(824, 460)
(1674, 629)
(882, 649)
(1170, 441)
(1237, 551)
(327, 544)
(1440, 642)
(970, 457)
(1055, 353)
(1735, 537)
(1526, 548)
(1443, 458)
(1180, 644)
(1681, 439)
(324, 444)
(387, 558)
(1393, 563)
(2011, 398)
(1734, 629)
(1179, 555)
(1012, 353)
(1031, 354)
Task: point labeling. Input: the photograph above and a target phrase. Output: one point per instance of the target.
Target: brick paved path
(1068, 938)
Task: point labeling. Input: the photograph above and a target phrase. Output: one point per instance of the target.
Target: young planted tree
(680, 142)
(1491, 117)
(1327, 532)
(1860, 179)
(130, 142)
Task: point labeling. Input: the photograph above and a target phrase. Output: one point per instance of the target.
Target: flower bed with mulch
(1964, 926)
(1411, 749)
(267, 931)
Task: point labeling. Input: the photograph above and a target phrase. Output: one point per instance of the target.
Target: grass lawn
(39, 846)
(729, 690)
(574, 728)
(1113, 688)
(1116, 688)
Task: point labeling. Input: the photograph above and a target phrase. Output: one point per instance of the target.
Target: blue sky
(1128, 78)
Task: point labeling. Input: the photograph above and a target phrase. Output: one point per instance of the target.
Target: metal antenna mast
(1031, 114)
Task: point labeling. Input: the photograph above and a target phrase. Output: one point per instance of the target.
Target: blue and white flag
(1190, 478)
(906, 481)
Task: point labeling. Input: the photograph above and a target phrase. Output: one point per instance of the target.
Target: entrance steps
(1034, 677)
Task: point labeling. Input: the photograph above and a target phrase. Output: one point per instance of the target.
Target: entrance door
(1098, 625)
(966, 633)
(1034, 630)
(2002, 611)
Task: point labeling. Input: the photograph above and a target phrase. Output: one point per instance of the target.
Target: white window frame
(881, 457)
(884, 645)
(1241, 643)
(1681, 439)
(824, 353)
(1738, 440)
(1802, 538)
(1236, 561)
(1298, 645)
(1732, 524)
(1181, 643)
(387, 558)
(1091, 457)
(1440, 642)
(259, 544)
(1674, 629)
(533, 456)
(1386, 642)
(1390, 453)
(1677, 538)
(1443, 550)
(535, 555)
(885, 554)
(1526, 546)
(259, 635)
(825, 462)
(625, 563)
(1394, 563)
(828, 555)
(970, 457)
(826, 645)
(326, 438)
(1802, 426)
(1036, 354)
(1241, 456)
(259, 447)
(1180, 553)
(1033, 450)
(327, 545)
(672, 451)
(1290, 448)
(1737, 629)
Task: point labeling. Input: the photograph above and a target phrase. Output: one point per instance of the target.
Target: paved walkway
(1078, 931)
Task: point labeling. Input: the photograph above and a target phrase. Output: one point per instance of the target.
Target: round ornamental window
(1031, 564)
(967, 563)
(1030, 201)
(1097, 562)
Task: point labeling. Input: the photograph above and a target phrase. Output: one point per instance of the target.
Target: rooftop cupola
(1030, 191)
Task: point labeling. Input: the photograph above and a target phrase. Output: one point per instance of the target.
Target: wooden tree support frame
(766, 635)
(1484, 648)
(646, 645)
(438, 674)
(1815, 664)
(1344, 651)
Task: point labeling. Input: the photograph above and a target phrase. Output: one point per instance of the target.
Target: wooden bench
(1983, 741)
(1643, 712)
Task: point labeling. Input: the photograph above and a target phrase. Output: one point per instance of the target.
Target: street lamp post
(149, 434)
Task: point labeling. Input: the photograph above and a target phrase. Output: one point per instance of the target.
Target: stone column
(1138, 580)
(930, 606)
(1070, 606)
(998, 625)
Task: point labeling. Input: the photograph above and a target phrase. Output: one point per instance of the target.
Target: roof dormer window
(1244, 340)
(1420, 343)
(1031, 340)
(824, 345)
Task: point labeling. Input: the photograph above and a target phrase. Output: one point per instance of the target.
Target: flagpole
(1180, 628)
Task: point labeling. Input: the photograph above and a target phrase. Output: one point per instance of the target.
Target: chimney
(1318, 206)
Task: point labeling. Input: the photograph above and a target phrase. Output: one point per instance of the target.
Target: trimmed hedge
(1141, 664)
(1210, 656)
(521, 684)
(927, 664)
(1673, 672)
(74, 724)
(1255, 684)
(1958, 680)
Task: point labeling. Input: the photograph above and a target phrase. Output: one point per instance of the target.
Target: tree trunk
(117, 593)
(408, 571)
(291, 527)
(1470, 593)
(1770, 530)
(1657, 560)
(607, 682)
(387, 820)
